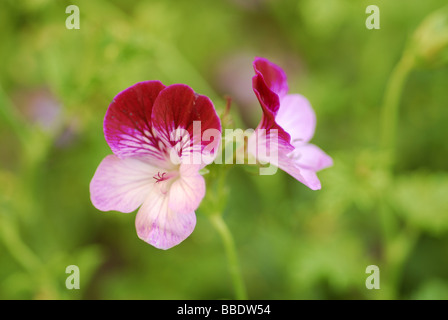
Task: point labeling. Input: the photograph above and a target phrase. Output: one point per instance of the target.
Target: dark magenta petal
(274, 76)
(270, 104)
(144, 119)
(127, 124)
(269, 100)
(179, 108)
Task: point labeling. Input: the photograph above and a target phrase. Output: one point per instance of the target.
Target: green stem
(391, 105)
(229, 244)
(397, 241)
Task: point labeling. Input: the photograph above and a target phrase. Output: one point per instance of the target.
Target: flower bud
(430, 41)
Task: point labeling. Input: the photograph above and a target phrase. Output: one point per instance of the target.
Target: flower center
(160, 176)
(166, 179)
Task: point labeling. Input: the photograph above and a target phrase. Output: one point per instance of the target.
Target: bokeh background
(293, 243)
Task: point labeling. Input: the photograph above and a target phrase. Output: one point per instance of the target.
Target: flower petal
(160, 226)
(312, 157)
(301, 163)
(288, 122)
(269, 102)
(306, 159)
(121, 184)
(310, 179)
(274, 76)
(127, 124)
(303, 175)
(178, 108)
(187, 192)
(268, 99)
(268, 147)
(297, 117)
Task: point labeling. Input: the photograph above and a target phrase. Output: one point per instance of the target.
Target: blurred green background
(293, 243)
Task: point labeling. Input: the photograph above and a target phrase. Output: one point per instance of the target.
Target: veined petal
(273, 75)
(160, 226)
(187, 192)
(181, 115)
(127, 124)
(121, 184)
(269, 102)
(297, 117)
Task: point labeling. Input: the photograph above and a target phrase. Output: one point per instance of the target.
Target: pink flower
(153, 132)
(286, 127)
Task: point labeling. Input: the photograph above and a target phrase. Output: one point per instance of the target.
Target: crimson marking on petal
(127, 124)
(178, 107)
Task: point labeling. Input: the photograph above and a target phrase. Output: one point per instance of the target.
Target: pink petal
(289, 123)
(296, 117)
(127, 124)
(301, 162)
(188, 190)
(273, 75)
(121, 184)
(179, 108)
(293, 168)
(310, 179)
(160, 226)
(312, 157)
(268, 147)
(307, 160)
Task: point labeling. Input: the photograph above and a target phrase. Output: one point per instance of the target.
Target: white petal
(160, 226)
(121, 184)
(188, 190)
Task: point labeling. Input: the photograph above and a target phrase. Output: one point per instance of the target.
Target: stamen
(160, 177)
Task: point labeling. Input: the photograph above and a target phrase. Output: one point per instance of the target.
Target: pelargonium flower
(153, 132)
(286, 127)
